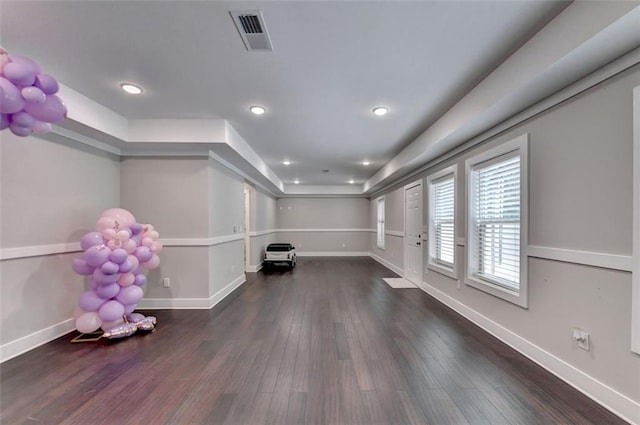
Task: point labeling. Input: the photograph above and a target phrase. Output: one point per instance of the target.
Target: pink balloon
(126, 279)
(33, 95)
(88, 322)
(109, 233)
(124, 218)
(77, 313)
(20, 131)
(18, 74)
(11, 100)
(134, 261)
(46, 83)
(153, 235)
(153, 263)
(123, 235)
(111, 310)
(156, 247)
(130, 246)
(147, 241)
(41, 127)
(53, 109)
(105, 223)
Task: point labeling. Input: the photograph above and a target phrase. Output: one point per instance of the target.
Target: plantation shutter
(443, 220)
(496, 227)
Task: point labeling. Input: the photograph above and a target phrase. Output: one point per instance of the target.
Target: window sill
(449, 272)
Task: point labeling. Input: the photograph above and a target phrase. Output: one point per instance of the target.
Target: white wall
(393, 253)
(580, 199)
(50, 195)
(262, 225)
(322, 226)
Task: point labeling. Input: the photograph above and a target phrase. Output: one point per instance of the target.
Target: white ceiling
(332, 62)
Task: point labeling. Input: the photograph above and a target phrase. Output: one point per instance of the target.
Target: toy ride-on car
(277, 253)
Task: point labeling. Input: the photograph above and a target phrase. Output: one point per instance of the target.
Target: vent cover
(250, 25)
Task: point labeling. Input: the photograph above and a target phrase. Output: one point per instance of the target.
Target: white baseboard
(191, 303)
(35, 339)
(387, 264)
(332, 254)
(612, 400)
(255, 268)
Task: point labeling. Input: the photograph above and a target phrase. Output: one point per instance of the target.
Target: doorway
(246, 226)
(413, 232)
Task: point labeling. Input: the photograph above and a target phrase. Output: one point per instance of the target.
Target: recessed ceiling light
(351, 181)
(380, 110)
(131, 88)
(258, 110)
(296, 182)
(286, 162)
(365, 163)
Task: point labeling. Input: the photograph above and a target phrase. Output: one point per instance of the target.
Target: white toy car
(280, 253)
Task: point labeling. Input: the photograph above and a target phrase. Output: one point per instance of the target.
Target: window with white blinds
(442, 206)
(380, 219)
(497, 219)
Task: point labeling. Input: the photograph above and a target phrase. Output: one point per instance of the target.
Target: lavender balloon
(104, 279)
(143, 254)
(118, 256)
(19, 130)
(90, 301)
(22, 119)
(33, 95)
(109, 268)
(130, 295)
(10, 98)
(97, 255)
(111, 311)
(140, 280)
(81, 267)
(53, 110)
(46, 83)
(136, 228)
(4, 120)
(108, 291)
(19, 74)
(91, 239)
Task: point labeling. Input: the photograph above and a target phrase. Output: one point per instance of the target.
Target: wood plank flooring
(326, 343)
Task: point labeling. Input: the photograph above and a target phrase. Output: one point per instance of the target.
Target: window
(380, 228)
(497, 221)
(442, 207)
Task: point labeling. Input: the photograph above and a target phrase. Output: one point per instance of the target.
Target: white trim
(635, 262)
(397, 233)
(599, 392)
(244, 175)
(216, 240)
(191, 303)
(77, 137)
(387, 264)
(333, 254)
(323, 230)
(589, 258)
(255, 268)
(33, 340)
(257, 233)
(39, 250)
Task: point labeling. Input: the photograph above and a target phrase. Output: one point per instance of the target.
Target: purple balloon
(97, 255)
(81, 267)
(130, 295)
(136, 228)
(118, 256)
(140, 280)
(18, 130)
(11, 100)
(128, 309)
(143, 254)
(26, 62)
(22, 119)
(139, 270)
(91, 239)
(104, 279)
(53, 109)
(110, 268)
(137, 239)
(108, 291)
(90, 301)
(46, 83)
(41, 127)
(19, 74)
(126, 266)
(111, 310)
(4, 121)
(33, 95)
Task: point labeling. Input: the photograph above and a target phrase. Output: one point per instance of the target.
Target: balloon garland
(28, 101)
(115, 258)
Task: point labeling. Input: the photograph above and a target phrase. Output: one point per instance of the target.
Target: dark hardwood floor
(326, 343)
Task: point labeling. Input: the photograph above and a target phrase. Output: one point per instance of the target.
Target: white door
(412, 232)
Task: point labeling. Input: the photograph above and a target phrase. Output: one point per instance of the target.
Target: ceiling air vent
(250, 25)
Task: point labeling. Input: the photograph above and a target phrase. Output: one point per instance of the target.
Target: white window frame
(432, 262)
(380, 222)
(517, 146)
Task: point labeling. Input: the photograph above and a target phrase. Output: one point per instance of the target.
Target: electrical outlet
(581, 338)
(166, 282)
